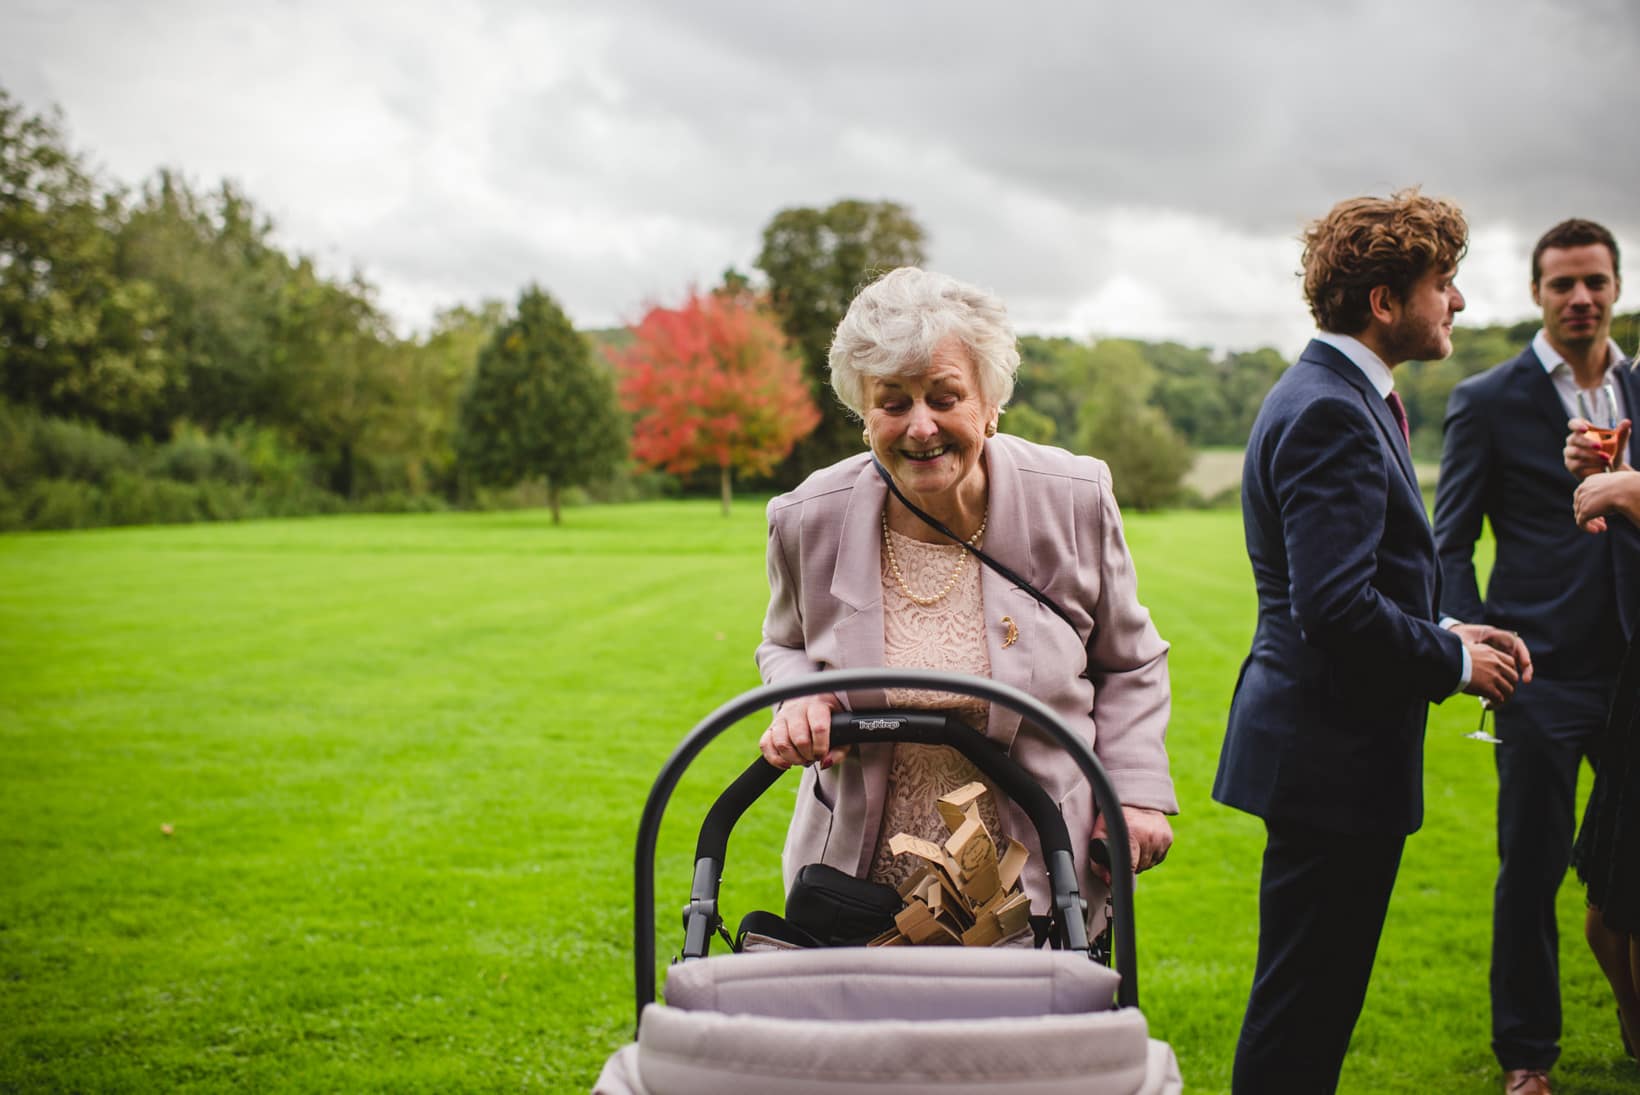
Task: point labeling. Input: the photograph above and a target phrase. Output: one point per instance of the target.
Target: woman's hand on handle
(801, 733)
(1149, 838)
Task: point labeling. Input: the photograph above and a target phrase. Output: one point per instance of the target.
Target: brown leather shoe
(1527, 1081)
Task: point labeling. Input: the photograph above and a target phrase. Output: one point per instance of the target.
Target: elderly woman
(857, 579)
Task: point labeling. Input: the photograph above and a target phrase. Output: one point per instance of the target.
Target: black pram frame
(849, 727)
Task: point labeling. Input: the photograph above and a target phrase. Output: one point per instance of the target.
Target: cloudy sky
(1109, 168)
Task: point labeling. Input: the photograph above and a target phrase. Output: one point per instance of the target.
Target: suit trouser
(1546, 729)
(1322, 900)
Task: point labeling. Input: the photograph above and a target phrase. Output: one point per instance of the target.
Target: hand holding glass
(1599, 409)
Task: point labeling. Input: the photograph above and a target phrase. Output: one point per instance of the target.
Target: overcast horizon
(1107, 173)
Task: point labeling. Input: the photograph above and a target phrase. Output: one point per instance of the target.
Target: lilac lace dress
(948, 635)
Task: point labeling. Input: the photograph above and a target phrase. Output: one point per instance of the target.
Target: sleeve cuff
(1143, 788)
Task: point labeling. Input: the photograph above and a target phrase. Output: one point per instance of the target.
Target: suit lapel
(1541, 391)
(1326, 356)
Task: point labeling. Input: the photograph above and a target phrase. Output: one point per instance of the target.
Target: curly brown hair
(1363, 243)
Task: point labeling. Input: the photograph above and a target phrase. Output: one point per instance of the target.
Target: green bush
(56, 474)
(399, 501)
(140, 500)
(194, 456)
(274, 461)
(16, 446)
(62, 504)
(71, 450)
(292, 500)
(636, 485)
(12, 515)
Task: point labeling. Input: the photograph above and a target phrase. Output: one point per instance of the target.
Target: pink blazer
(1054, 521)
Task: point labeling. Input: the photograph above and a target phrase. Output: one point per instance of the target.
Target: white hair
(894, 324)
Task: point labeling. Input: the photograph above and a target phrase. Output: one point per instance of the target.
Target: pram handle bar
(848, 680)
(923, 728)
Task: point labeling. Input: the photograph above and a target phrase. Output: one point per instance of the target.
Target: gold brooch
(1012, 635)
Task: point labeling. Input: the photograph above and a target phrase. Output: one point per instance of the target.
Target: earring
(990, 429)
(865, 435)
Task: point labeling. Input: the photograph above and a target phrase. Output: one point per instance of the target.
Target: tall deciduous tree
(1117, 423)
(816, 260)
(713, 384)
(429, 378)
(539, 405)
(76, 339)
(225, 286)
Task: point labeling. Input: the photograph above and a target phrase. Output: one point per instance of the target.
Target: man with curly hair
(1326, 729)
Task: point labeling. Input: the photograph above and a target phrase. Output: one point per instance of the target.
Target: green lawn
(401, 760)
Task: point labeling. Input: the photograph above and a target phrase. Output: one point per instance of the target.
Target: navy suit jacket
(1327, 724)
(1566, 592)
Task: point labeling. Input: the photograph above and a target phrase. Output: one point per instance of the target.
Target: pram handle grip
(1069, 910)
(847, 680)
(918, 727)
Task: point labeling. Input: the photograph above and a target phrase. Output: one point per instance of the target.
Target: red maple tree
(713, 383)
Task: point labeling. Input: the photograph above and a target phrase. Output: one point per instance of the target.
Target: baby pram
(952, 1020)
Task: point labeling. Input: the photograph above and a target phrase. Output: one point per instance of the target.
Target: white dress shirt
(1566, 386)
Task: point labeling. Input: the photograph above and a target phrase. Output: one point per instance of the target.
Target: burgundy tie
(1399, 410)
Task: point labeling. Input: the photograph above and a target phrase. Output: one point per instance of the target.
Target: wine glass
(1479, 733)
(1599, 409)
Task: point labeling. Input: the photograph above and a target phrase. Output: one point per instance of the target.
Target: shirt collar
(1552, 359)
(1363, 358)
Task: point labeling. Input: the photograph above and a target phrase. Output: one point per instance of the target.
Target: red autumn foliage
(713, 383)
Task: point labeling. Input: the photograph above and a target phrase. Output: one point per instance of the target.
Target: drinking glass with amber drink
(1599, 409)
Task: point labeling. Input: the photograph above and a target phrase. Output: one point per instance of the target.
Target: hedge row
(56, 474)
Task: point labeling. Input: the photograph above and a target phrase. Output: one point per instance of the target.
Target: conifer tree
(540, 405)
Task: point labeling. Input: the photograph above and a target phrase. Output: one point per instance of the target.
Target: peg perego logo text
(879, 724)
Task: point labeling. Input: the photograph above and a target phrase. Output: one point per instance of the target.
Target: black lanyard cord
(939, 526)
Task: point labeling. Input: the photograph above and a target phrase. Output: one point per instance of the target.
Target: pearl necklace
(956, 572)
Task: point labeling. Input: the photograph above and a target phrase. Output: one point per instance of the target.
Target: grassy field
(348, 803)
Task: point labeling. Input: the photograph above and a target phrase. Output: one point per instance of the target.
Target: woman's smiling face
(929, 429)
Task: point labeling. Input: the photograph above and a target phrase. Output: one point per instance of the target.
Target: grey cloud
(616, 152)
(1253, 119)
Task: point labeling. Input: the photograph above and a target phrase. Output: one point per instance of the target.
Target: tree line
(163, 358)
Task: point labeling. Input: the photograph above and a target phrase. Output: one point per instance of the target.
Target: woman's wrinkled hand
(801, 734)
(1149, 838)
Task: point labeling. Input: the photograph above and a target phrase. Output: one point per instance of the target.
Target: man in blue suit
(1326, 729)
(1560, 588)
